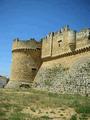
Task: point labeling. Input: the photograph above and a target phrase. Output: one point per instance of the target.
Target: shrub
(74, 117)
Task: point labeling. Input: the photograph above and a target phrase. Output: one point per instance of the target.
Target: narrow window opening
(89, 36)
(38, 48)
(34, 69)
(59, 43)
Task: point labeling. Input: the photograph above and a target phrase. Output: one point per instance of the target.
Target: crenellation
(83, 34)
(67, 40)
(16, 39)
(26, 55)
(82, 38)
(52, 59)
(30, 44)
(66, 28)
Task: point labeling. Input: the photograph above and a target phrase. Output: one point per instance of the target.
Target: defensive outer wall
(60, 63)
(26, 60)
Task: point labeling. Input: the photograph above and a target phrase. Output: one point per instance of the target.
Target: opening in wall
(38, 48)
(89, 36)
(59, 43)
(34, 69)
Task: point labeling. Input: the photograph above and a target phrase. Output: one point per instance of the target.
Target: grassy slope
(37, 105)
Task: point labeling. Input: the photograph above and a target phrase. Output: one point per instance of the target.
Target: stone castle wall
(66, 62)
(28, 44)
(55, 44)
(64, 75)
(46, 46)
(26, 60)
(82, 38)
(63, 41)
(60, 63)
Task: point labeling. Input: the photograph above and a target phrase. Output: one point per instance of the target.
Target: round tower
(26, 60)
(72, 40)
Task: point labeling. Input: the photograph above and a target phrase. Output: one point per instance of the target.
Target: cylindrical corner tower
(26, 60)
(72, 40)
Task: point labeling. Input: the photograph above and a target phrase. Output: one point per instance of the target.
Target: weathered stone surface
(59, 63)
(18, 84)
(65, 75)
(3, 81)
(25, 61)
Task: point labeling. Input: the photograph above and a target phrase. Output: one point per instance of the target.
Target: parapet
(84, 33)
(63, 41)
(28, 44)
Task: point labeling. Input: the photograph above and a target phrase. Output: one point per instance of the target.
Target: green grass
(12, 103)
(16, 116)
(74, 117)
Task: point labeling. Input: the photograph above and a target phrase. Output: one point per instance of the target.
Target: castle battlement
(63, 41)
(52, 60)
(26, 56)
(26, 45)
(85, 33)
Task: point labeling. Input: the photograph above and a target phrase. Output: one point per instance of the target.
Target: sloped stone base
(16, 85)
(70, 76)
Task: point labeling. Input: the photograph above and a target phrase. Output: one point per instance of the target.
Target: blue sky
(34, 19)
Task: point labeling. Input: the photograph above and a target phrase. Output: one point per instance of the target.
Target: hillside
(36, 105)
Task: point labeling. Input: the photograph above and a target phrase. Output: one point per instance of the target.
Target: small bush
(17, 116)
(83, 117)
(2, 113)
(83, 109)
(74, 117)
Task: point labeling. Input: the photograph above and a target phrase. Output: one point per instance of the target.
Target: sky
(27, 19)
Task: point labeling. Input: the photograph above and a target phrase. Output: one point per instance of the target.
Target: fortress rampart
(64, 41)
(26, 60)
(26, 45)
(69, 74)
(60, 63)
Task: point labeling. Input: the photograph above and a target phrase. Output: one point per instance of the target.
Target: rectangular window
(34, 69)
(59, 42)
(38, 48)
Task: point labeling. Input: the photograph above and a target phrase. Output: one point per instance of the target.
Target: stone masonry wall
(63, 51)
(29, 44)
(63, 41)
(60, 43)
(69, 74)
(82, 38)
(26, 60)
(47, 46)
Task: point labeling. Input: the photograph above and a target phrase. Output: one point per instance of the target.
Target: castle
(54, 61)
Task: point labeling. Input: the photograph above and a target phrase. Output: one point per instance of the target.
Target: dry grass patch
(37, 105)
